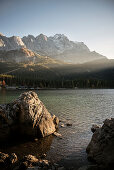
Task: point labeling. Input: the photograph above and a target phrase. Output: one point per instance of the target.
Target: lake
(82, 108)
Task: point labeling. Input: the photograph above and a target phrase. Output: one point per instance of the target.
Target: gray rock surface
(101, 146)
(21, 55)
(61, 48)
(10, 43)
(58, 47)
(26, 115)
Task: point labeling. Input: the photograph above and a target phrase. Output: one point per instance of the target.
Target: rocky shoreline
(29, 162)
(28, 117)
(101, 147)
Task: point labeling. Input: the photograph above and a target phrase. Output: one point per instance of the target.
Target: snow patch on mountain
(57, 47)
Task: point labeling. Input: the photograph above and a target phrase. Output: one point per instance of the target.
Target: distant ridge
(58, 47)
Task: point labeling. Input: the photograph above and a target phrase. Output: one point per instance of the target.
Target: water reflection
(25, 147)
(3, 94)
(83, 108)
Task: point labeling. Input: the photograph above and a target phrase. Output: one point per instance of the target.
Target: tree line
(56, 83)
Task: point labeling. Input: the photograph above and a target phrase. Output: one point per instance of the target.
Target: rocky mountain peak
(58, 47)
(1, 34)
(30, 36)
(11, 43)
(17, 41)
(41, 37)
(59, 36)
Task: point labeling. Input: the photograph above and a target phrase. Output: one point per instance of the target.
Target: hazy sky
(88, 21)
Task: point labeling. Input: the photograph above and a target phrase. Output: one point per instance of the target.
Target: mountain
(51, 46)
(53, 62)
(21, 55)
(61, 48)
(10, 43)
(58, 47)
(24, 55)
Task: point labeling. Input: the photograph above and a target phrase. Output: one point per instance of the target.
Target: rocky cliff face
(58, 47)
(10, 43)
(61, 48)
(21, 55)
(27, 115)
(55, 45)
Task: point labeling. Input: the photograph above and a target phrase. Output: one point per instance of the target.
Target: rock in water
(101, 146)
(94, 128)
(28, 116)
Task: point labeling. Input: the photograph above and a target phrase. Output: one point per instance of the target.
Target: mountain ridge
(58, 47)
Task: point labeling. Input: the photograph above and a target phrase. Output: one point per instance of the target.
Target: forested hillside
(89, 75)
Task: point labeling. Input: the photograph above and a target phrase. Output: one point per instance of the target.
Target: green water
(81, 107)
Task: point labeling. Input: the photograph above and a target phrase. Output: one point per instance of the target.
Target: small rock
(3, 156)
(62, 125)
(94, 128)
(69, 124)
(57, 134)
(31, 159)
(13, 158)
(36, 139)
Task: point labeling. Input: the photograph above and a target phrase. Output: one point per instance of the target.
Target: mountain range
(57, 47)
(53, 61)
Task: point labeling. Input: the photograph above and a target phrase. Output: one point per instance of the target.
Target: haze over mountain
(61, 48)
(10, 43)
(53, 62)
(58, 47)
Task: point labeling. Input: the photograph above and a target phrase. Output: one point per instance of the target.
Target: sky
(88, 21)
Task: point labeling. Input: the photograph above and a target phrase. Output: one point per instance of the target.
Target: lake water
(82, 108)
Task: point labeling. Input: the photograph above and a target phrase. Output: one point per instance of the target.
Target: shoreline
(69, 155)
(21, 89)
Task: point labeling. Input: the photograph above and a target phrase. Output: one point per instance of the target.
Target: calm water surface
(81, 107)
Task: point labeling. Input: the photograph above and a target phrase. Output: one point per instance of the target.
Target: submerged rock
(31, 161)
(28, 116)
(101, 146)
(57, 134)
(7, 160)
(3, 157)
(12, 158)
(62, 125)
(69, 124)
(28, 162)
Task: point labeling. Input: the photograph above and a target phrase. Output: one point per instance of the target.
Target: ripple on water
(81, 107)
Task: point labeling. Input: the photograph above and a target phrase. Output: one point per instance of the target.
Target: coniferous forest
(58, 77)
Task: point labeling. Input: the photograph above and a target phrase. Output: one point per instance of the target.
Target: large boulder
(26, 115)
(101, 146)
